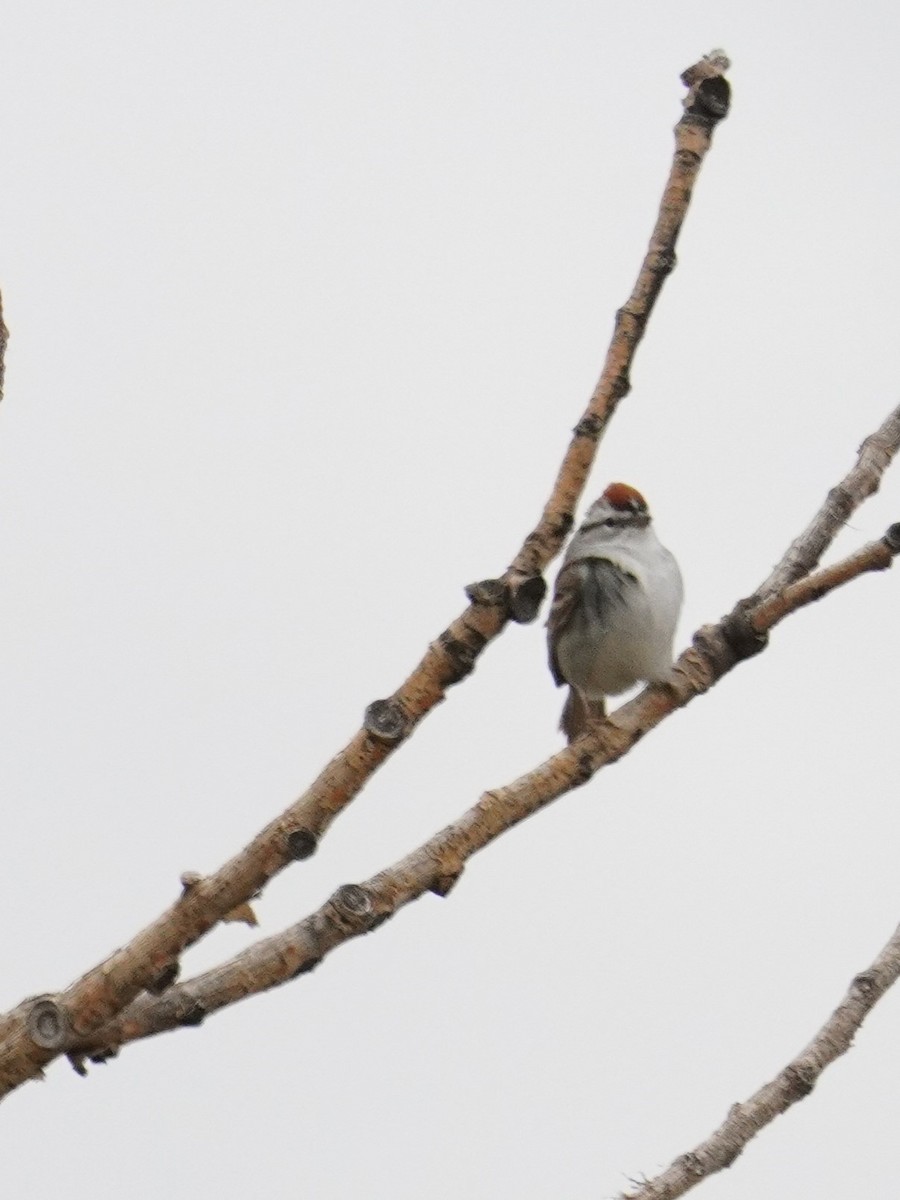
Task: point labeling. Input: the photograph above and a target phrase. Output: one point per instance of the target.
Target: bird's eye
(610, 522)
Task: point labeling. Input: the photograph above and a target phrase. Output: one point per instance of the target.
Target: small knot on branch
(712, 99)
(301, 843)
(864, 984)
(740, 635)
(892, 538)
(353, 901)
(590, 426)
(47, 1023)
(663, 262)
(386, 720)
(461, 655)
(525, 598)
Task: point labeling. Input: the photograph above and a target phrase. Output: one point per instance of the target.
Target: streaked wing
(594, 585)
(566, 597)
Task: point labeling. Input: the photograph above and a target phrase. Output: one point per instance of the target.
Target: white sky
(304, 300)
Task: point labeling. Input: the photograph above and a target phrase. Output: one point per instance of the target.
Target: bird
(616, 603)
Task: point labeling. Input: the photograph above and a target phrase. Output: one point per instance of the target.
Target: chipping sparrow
(615, 606)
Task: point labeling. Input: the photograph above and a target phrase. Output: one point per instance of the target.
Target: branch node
(590, 426)
(892, 538)
(386, 720)
(301, 843)
(739, 634)
(353, 901)
(47, 1023)
(663, 262)
(864, 983)
(194, 1014)
(442, 885)
(525, 598)
(692, 1165)
(712, 99)
(800, 1079)
(461, 654)
(189, 880)
(164, 979)
(491, 592)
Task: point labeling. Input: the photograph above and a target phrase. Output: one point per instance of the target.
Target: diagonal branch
(4, 339)
(805, 551)
(436, 865)
(153, 953)
(793, 1083)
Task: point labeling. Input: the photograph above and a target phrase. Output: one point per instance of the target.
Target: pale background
(304, 300)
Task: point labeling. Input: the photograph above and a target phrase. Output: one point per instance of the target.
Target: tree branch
(151, 957)
(436, 865)
(4, 339)
(806, 550)
(793, 1083)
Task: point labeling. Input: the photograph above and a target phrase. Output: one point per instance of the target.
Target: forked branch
(436, 865)
(151, 958)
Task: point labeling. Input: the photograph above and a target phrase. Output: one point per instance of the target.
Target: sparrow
(615, 606)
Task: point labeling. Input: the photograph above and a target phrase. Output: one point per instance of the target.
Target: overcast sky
(304, 299)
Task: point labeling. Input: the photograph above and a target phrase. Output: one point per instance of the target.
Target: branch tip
(709, 92)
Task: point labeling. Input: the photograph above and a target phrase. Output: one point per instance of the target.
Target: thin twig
(152, 955)
(436, 865)
(793, 1083)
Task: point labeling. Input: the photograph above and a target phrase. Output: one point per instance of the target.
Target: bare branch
(152, 955)
(805, 552)
(875, 556)
(4, 339)
(795, 1082)
(437, 864)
